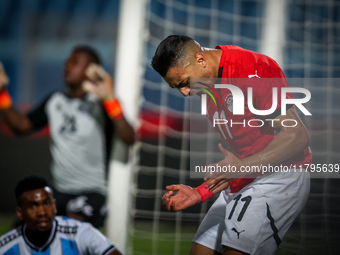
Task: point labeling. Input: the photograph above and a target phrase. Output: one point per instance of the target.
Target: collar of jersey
(220, 71)
(48, 242)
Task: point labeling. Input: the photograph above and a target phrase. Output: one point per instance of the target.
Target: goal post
(273, 37)
(128, 79)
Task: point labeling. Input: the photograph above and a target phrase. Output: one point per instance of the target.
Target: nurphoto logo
(238, 100)
(235, 103)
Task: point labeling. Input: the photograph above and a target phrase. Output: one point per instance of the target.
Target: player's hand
(99, 83)
(4, 80)
(185, 197)
(218, 178)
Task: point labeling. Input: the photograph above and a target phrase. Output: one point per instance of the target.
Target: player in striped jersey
(43, 233)
(251, 215)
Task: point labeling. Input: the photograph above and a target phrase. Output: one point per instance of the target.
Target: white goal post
(128, 79)
(273, 37)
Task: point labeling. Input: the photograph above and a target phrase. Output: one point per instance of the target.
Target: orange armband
(204, 192)
(113, 109)
(5, 100)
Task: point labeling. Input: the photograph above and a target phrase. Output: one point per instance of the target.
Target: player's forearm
(282, 147)
(125, 131)
(16, 121)
(288, 142)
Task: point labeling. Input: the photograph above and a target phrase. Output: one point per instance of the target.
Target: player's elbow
(306, 140)
(301, 138)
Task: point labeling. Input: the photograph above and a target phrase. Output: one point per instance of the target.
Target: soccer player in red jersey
(253, 212)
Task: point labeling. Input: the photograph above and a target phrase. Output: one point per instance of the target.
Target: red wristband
(204, 192)
(5, 100)
(113, 109)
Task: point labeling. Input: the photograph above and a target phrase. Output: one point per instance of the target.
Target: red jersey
(239, 67)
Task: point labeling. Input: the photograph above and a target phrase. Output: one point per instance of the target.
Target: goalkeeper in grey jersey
(82, 122)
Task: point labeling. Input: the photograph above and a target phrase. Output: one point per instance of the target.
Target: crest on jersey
(229, 102)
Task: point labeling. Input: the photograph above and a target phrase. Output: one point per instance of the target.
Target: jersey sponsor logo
(237, 232)
(253, 75)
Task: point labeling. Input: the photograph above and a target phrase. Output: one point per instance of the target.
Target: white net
(312, 49)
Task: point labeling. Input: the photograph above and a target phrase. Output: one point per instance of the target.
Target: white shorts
(255, 219)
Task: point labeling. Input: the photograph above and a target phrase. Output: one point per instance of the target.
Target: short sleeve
(271, 76)
(38, 115)
(93, 242)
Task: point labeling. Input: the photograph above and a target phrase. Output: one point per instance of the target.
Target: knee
(231, 251)
(198, 249)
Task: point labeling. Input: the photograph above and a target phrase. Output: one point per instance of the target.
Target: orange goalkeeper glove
(101, 84)
(5, 98)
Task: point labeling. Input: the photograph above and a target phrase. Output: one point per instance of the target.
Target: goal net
(311, 48)
(312, 51)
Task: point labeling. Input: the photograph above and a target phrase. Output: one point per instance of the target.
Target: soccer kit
(256, 211)
(67, 237)
(81, 135)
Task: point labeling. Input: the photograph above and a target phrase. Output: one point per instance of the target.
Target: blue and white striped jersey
(68, 237)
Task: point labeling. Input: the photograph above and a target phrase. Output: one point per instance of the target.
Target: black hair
(168, 52)
(29, 183)
(91, 52)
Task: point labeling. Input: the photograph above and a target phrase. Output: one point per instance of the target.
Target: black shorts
(91, 206)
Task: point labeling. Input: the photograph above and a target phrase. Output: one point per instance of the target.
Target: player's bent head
(36, 205)
(91, 52)
(173, 51)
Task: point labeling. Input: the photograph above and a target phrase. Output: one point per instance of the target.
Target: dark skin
(74, 76)
(37, 210)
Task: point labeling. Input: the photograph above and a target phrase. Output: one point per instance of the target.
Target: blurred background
(36, 37)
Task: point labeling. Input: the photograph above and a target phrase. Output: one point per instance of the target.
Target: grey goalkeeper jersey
(68, 237)
(81, 134)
